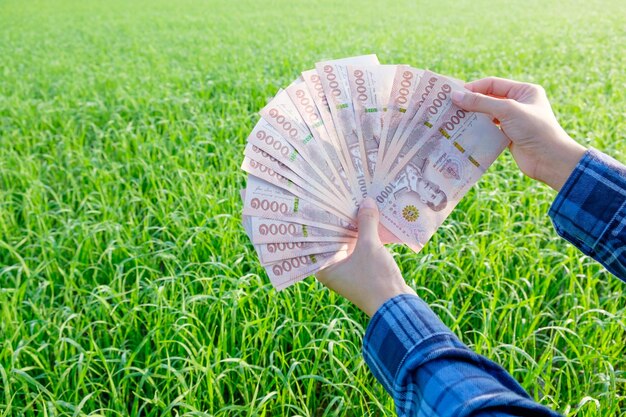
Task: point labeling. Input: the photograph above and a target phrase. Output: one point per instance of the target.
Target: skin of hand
(370, 275)
(539, 145)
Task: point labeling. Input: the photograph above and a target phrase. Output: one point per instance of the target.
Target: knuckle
(538, 89)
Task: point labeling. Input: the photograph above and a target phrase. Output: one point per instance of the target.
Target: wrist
(564, 157)
(386, 292)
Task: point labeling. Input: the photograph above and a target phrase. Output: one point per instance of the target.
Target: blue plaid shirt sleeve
(429, 372)
(590, 210)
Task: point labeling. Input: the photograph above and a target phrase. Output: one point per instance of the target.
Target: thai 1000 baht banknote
(303, 100)
(405, 83)
(370, 87)
(285, 272)
(265, 137)
(334, 78)
(314, 83)
(283, 115)
(422, 191)
(425, 120)
(272, 252)
(428, 117)
(263, 199)
(278, 231)
(257, 169)
(439, 117)
(257, 154)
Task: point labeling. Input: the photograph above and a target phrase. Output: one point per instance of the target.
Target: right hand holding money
(540, 146)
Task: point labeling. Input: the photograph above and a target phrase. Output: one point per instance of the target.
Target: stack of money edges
(348, 129)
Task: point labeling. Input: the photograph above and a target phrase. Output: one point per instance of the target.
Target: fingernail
(457, 96)
(368, 203)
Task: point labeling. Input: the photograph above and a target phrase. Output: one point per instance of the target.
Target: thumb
(495, 107)
(368, 222)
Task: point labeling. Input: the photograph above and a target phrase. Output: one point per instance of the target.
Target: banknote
(272, 252)
(278, 231)
(258, 154)
(420, 93)
(433, 94)
(314, 84)
(268, 139)
(425, 188)
(439, 117)
(424, 120)
(334, 78)
(263, 199)
(257, 169)
(285, 272)
(370, 87)
(303, 100)
(405, 82)
(283, 115)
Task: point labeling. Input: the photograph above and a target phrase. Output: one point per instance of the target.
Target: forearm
(590, 210)
(426, 368)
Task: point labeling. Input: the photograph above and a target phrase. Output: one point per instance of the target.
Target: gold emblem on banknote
(410, 213)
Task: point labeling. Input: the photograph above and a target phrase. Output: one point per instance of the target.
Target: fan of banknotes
(348, 129)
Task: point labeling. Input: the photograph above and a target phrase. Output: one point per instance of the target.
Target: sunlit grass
(127, 285)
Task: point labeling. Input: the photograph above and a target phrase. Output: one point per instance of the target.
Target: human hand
(369, 276)
(539, 145)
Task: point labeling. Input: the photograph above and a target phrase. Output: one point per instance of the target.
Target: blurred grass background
(127, 286)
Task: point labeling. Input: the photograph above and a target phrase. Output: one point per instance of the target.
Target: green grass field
(127, 285)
